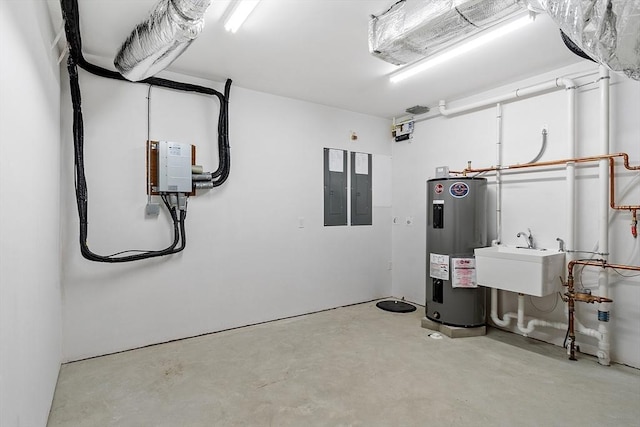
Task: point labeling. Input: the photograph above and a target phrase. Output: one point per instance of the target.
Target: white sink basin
(534, 272)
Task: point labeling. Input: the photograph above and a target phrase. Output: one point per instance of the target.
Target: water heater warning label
(439, 266)
(439, 188)
(464, 273)
(459, 189)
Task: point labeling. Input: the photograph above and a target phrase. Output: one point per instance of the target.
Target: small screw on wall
(354, 136)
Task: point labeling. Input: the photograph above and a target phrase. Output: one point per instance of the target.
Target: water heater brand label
(439, 188)
(459, 190)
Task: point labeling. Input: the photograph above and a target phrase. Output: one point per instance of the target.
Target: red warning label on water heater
(459, 190)
(439, 188)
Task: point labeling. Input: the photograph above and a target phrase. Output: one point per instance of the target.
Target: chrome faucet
(528, 238)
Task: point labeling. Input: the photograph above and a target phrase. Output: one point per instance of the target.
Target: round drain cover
(396, 306)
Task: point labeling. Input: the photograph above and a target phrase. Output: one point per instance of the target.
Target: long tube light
(240, 13)
(474, 43)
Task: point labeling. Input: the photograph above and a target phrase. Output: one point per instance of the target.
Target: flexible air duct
(415, 29)
(158, 41)
(606, 30)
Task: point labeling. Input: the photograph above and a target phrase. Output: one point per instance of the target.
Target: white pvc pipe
(518, 93)
(570, 239)
(603, 214)
(494, 311)
(532, 323)
(521, 314)
(498, 239)
(581, 329)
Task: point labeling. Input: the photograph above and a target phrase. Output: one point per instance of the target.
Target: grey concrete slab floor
(352, 366)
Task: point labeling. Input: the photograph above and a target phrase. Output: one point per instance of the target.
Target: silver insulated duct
(608, 31)
(161, 38)
(414, 29)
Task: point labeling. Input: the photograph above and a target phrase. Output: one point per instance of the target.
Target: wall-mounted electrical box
(403, 131)
(169, 167)
(174, 167)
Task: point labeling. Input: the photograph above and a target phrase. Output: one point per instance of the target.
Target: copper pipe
(612, 187)
(612, 184)
(572, 296)
(625, 157)
(598, 263)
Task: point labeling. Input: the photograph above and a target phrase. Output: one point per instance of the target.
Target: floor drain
(396, 306)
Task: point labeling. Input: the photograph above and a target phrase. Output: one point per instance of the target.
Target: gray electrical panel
(361, 204)
(335, 187)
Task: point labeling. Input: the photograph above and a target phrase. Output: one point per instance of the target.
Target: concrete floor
(352, 366)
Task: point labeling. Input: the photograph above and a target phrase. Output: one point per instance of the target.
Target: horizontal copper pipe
(600, 263)
(625, 157)
(610, 157)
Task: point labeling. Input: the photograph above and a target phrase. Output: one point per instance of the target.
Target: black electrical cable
(221, 174)
(81, 183)
(74, 40)
(566, 337)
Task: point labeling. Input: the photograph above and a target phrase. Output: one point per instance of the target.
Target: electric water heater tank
(456, 225)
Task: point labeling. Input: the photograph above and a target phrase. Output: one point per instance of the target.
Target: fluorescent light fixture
(240, 13)
(488, 36)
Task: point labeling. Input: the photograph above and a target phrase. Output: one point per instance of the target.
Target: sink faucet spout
(528, 237)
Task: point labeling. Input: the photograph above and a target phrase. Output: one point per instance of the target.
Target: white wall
(530, 199)
(246, 259)
(30, 320)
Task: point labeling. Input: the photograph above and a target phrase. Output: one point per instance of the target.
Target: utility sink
(534, 272)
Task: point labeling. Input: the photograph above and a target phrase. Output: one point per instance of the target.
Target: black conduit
(74, 40)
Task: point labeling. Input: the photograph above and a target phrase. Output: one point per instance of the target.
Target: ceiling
(317, 50)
